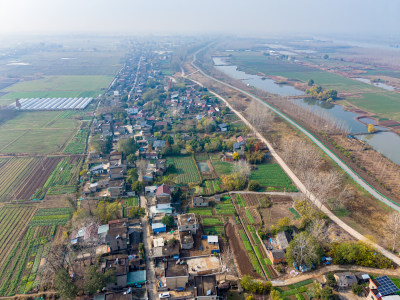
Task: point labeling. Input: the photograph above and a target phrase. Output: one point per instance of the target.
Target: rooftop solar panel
(386, 286)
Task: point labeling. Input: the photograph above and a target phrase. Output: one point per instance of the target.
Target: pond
(203, 167)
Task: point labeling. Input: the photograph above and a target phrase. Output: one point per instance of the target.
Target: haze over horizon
(257, 17)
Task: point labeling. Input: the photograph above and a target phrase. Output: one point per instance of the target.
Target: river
(387, 143)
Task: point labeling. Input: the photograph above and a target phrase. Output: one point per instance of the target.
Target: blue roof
(136, 277)
(157, 226)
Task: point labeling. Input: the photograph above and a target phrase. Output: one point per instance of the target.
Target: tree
(127, 146)
(255, 286)
(371, 128)
(310, 82)
(95, 281)
(101, 145)
(235, 156)
(106, 211)
(326, 293)
(330, 280)
(394, 223)
(137, 186)
(136, 212)
(64, 284)
(326, 56)
(357, 289)
(254, 186)
(168, 221)
(304, 249)
(275, 295)
(131, 158)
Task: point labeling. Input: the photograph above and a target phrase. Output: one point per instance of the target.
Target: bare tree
(318, 229)
(243, 168)
(141, 166)
(394, 223)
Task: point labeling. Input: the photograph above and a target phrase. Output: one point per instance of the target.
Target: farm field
(78, 144)
(186, 169)
(55, 86)
(272, 178)
(19, 271)
(276, 67)
(62, 180)
(225, 207)
(280, 208)
(370, 98)
(22, 176)
(241, 247)
(37, 141)
(39, 132)
(221, 167)
(210, 187)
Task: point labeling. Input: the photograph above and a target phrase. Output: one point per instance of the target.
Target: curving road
(328, 152)
(286, 168)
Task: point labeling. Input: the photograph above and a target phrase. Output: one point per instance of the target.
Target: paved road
(150, 276)
(290, 173)
(328, 152)
(334, 268)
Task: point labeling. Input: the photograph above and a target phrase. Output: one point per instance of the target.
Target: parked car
(164, 295)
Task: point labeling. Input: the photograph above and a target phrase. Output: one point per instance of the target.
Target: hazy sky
(201, 16)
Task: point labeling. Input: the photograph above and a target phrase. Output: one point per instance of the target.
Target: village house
(345, 280)
(186, 240)
(188, 223)
(283, 238)
(176, 275)
(276, 256)
(380, 288)
(117, 236)
(117, 172)
(116, 188)
(205, 287)
(199, 202)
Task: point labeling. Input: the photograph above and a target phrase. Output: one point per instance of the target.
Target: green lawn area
(272, 177)
(59, 86)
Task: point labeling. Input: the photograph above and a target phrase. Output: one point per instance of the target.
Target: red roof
(239, 139)
(161, 123)
(163, 189)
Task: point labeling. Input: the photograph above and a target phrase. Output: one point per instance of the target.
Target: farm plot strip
(186, 169)
(38, 177)
(19, 273)
(13, 223)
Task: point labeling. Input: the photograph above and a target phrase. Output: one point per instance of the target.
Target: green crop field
(272, 66)
(249, 217)
(212, 222)
(186, 167)
(221, 167)
(225, 207)
(272, 177)
(240, 201)
(78, 143)
(63, 179)
(41, 132)
(218, 230)
(59, 86)
(19, 269)
(386, 104)
(202, 211)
